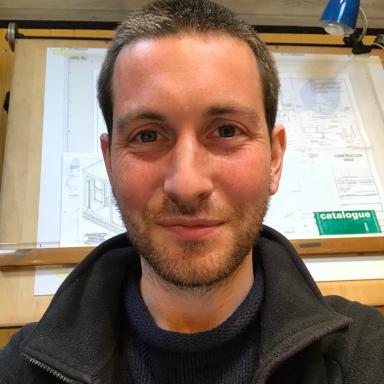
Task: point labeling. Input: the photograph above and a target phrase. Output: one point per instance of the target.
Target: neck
(194, 310)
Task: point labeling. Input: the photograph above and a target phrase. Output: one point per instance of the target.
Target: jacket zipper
(50, 370)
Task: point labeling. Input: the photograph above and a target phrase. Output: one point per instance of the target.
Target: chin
(195, 265)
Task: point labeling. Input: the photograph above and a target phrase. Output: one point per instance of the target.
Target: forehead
(195, 68)
(187, 49)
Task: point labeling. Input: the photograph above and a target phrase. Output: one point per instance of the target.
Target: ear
(105, 148)
(278, 145)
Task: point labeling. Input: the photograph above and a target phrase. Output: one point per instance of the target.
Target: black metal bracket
(355, 42)
(7, 97)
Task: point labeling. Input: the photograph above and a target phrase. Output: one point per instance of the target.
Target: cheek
(246, 179)
(134, 186)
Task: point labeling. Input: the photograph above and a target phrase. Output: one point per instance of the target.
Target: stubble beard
(196, 265)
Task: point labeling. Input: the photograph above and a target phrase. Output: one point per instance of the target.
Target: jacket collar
(79, 334)
(294, 313)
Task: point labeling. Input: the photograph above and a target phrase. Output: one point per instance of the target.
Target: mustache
(172, 208)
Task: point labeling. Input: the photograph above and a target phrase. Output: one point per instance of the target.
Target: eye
(227, 131)
(147, 136)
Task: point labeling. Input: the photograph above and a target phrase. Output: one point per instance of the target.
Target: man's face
(190, 160)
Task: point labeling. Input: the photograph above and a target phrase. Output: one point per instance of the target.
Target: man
(204, 294)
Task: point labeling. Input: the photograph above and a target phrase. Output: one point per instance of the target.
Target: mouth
(191, 229)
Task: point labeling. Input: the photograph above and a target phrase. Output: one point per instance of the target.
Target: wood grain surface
(261, 12)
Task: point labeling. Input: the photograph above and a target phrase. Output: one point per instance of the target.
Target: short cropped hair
(169, 17)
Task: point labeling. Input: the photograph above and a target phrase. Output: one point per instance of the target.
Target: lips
(191, 229)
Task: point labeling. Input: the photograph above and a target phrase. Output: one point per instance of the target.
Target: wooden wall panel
(370, 292)
(6, 65)
(20, 185)
(19, 305)
(17, 302)
(261, 12)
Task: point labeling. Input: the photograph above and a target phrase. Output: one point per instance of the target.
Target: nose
(188, 178)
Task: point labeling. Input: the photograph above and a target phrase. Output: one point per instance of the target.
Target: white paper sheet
(48, 279)
(346, 268)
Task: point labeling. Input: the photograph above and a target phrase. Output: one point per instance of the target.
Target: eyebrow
(141, 115)
(215, 110)
(227, 109)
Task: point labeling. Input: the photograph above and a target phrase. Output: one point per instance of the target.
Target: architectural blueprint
(76, 204)
(88, 210)
(330, 107)
(328, 164)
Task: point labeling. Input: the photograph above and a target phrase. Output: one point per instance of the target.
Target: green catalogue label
(347, 222)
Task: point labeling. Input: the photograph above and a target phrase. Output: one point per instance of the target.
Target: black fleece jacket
(304, 337)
